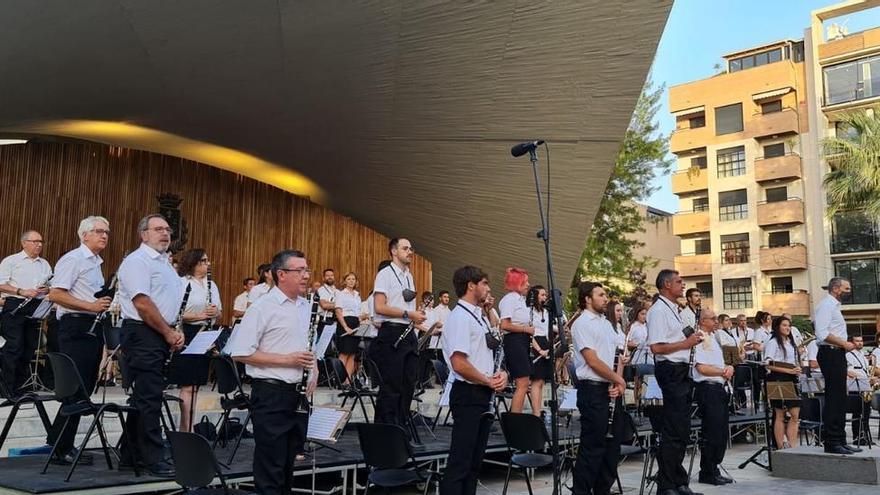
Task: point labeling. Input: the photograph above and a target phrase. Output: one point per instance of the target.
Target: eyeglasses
(159, 230)
(101, 231)
(301, 271)
(35, 241)
(204, 260)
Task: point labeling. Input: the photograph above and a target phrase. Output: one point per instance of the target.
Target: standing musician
(442, 310)
(327, 294)
(190, 371)
(272, 340)
(795, 332)
(859, 369)
(394, 301)
(542, 361)
(671, 350)
(265, 284)
(23, 276)
(781, 348)
(690, 314)
(474, 379)
(239, 306)
(598, 384)
(349, 318)
(831, 335)
(77, 278)
(149, 291)
(710, 374)
(518, 334)
(427, 326)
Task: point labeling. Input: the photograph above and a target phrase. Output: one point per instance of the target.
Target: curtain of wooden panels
(241, 222)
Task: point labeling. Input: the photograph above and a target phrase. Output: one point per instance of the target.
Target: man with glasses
(24, 276)
(150, 295)
(272, 341)
(394, 298)
(77, 278)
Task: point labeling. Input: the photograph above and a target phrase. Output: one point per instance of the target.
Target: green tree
(608, 255)
(854, 180)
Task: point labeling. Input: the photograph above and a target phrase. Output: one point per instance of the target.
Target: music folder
(325, 424)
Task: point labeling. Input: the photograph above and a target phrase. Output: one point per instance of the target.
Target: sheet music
(324, 341)
(324, 422)
(42, 310)
(363, 330)
(447, 389)
(202, 342)
(569, 399)
(654, 391)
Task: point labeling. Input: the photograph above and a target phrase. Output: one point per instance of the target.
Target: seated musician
(858, 372)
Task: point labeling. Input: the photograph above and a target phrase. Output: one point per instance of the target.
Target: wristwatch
(405, 315)
(18, 292)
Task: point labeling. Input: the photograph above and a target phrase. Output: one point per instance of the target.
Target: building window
(699, 162)
(774, 150)
(731, 161)
(781, 285)
(735, 248)
(852, 81)
(854, 232)
(701, 204)
(863, 276)
(776, 194)
(698, 121)
(771, 107)
(737, 293)
(842, 130)
(702, 246)
(728, 119)
(755, 60)
(779, 239)
(797, 51)
(733, 205)
(705, 289)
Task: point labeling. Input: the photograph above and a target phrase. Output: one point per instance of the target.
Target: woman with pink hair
(518, 332)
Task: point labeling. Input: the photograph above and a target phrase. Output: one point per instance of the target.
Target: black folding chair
(442, 372)
(349, 390)
(742, 382)
(389, 457)
(69, 388)
(196, 466)
(630, 444)
(526, 436)
(810, 426)
(166, 417)
(16, 401)
(233, 398)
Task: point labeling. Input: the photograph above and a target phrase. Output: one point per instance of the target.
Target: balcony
(694, 265)
(690, 138)
(786, 167)
(781, 212)
(796, 303)
(690, 222)
(691, 180)
(773, 124)
(792, 257)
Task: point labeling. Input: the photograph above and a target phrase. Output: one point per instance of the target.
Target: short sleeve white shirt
(513, 307)
(857, 363)
(241, 302)
(688, 317)
(828, 319)
(465, 332)
(23, 272)
(709, 353)
(349, 302)
(593, 331)
(391, 281)
(328, 294)
(774, 352)
(258, 291)
(148, 272)
(198, 296)
(665, 327)
(638, 333)
(541, 322)
(79, 273)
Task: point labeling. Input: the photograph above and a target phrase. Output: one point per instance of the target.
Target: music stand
(859, 386)
(39, 314)
(772, 391)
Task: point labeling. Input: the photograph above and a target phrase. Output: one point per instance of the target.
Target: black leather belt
(593, 383)
(277, 383)
(78, 316)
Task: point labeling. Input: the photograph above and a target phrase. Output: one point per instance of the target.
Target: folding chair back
(524, 432)
(194, 461)
(384, 446)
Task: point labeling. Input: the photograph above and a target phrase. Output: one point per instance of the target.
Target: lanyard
(481, 321)
(398, 278)
(674, 312)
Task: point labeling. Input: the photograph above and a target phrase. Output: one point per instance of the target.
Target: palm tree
(854, 180)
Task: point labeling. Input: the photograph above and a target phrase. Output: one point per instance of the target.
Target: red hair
(515, 278)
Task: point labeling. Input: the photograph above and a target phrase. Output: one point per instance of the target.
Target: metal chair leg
(55, 446)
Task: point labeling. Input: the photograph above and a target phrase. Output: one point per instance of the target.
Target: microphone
(523, 148)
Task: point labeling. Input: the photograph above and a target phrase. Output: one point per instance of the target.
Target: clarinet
(208, 301)
(313, 329)
(29, 299)
(109, 292)
(612, 402)
(178, 323)
(405, 334)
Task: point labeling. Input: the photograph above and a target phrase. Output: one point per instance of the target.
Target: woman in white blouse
(780, 348)
(349, 316)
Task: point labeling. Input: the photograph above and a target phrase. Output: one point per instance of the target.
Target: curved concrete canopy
(398, 114)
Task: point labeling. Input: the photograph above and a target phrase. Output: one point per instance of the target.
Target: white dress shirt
(442, 313)
(198, 296)
(258, 291)
(465, 332)
(688, 317)
(541, 322)
(638, 333)
(665, 327)
(241, 302)
(349, 302)
(276, 324)
(708, 352)
(875, 353)
(773, 352)
(391, 281)
(593, 331)
(79, 273)
(513, 306)
(369, 308)
(724, 338)
(798, 338)
(148, 272)
(328, 294)
(828, 319)
(23, 272)
(812, 351)
(857, 363)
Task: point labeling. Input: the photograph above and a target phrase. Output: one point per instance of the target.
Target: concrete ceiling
(398, 114)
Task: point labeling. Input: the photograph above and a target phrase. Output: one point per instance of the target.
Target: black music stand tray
(772, 391)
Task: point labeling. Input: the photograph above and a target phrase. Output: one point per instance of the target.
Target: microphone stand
(556, 313)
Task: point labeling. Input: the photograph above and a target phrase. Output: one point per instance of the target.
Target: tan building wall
(660, 242)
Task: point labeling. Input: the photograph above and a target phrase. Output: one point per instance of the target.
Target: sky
(699, 32)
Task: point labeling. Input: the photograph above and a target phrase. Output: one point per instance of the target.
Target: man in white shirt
(240, 305)
(672, 348)
(441, 310)
(857, 370)
(712, 397)
(77, 279)
(474, 379)
(833, 345)
(691, 311)
(24, 276)
(149, 296)
(271, 341)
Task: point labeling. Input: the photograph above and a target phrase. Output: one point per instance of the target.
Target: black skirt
(516, 355)
(347, 344)
(188, 369)
(542, 369)
(782, 377)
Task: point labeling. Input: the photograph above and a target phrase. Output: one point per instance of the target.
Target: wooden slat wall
(241, 222)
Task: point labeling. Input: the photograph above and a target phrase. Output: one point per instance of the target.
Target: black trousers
(675, 423)
(595, 469)
(399, 370)
(470, 434)
(22, 338)
(144, 352)
(86, 351)
(278, 435)
(832, 362)
(712, 400)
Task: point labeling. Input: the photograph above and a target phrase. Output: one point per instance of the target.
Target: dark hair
(263, 269)
(249, 279)
(532, 297)
(777, 322)
(186, 263)
(614, 293)
(442, 292)
(585, 290)
(722, 317)
(382, 265)
(392, 244)
(279, 261)
(426, 293)
(327, 270)
(465, 275)
(610, 313)
(690, 291)
(634, 312)
(665, 275)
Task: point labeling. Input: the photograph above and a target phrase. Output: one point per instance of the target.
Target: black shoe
(685, 490)
(84, 459)
(837, 449)
(725, 479)
(161, 469)
(711, 480)
(852, 448)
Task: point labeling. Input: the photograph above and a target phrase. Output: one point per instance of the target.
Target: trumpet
(43, 284)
